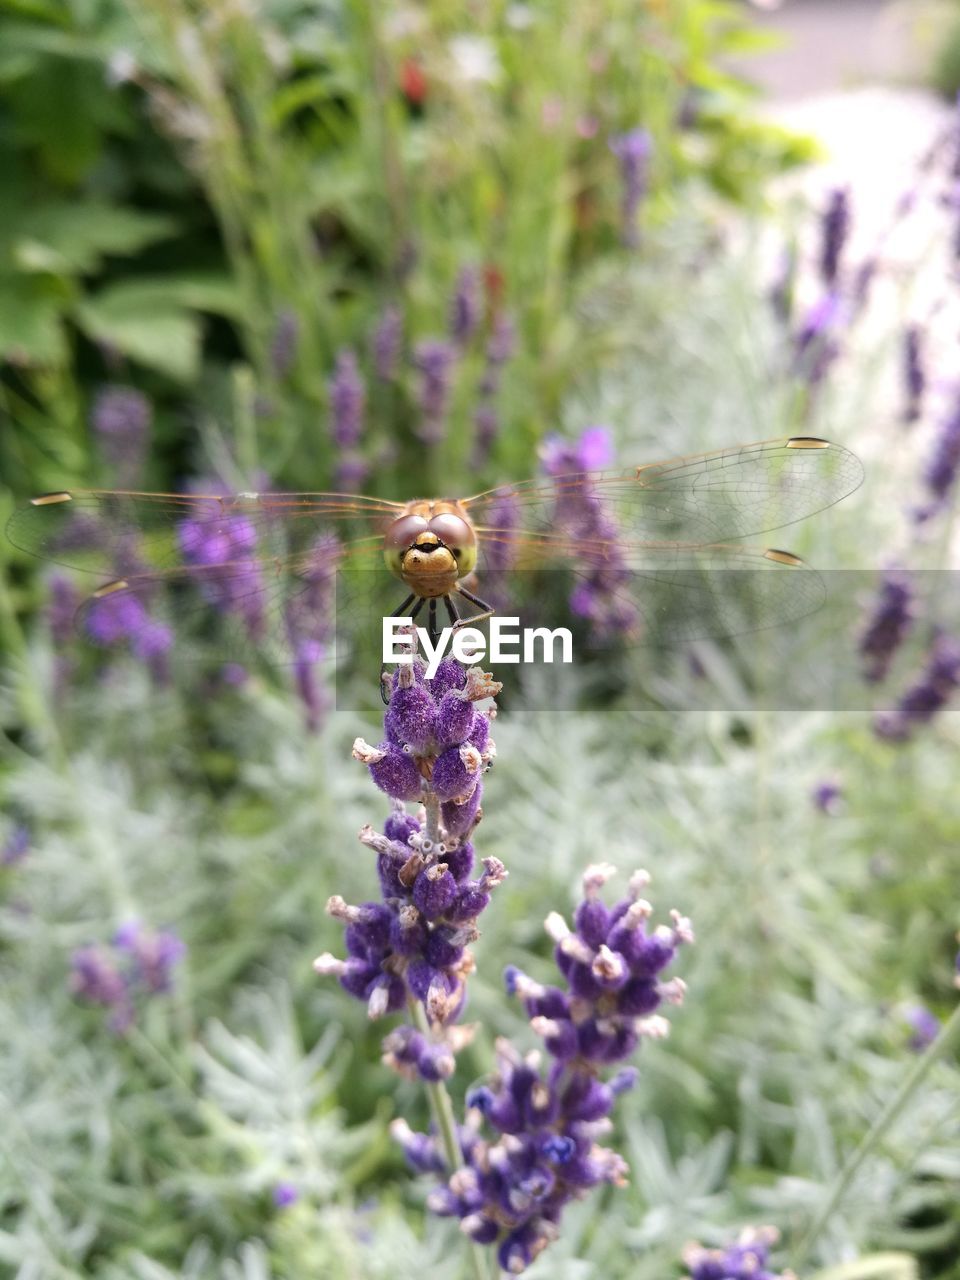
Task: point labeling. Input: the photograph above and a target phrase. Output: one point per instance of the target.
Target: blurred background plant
(394, 248)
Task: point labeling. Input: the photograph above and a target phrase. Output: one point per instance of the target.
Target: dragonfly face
(431, 547)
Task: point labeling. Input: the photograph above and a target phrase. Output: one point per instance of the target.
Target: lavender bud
(835, 230)
(122, 417)
(433, 359)
(633, 150)
(914, 372)
(465, 306)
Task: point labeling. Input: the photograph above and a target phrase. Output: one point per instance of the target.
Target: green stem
(949, 1033)
(440, 1103)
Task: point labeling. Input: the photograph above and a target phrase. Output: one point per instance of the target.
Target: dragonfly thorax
(430, 547)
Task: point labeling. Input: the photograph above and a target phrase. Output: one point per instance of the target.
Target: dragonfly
(652, 551)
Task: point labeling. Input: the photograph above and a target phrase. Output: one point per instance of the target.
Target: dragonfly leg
(432, 631)
(455, 620)
(384, 674)
(486, 610)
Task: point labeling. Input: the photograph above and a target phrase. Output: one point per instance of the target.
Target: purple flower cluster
(828, 796)
(835, 230)
(123, 618)
(817, 344)
(386, 344)
(139, 963)
(309, 624)
(224, 550)
(927, 696)
(16, 846)
(914, 373)
(747, 1259)
(890, 619)
(580, 512)
(413, 945)
(283, 344)
(924, 1026)
(940, 474)
(121, 417)
(348, 398)
(434, 359)
(633, 149)
(545, 1121)
(465, 306)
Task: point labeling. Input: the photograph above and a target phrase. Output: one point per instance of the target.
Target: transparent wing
(114, 533)
(244, 577)
(673, 596)
(704, 499)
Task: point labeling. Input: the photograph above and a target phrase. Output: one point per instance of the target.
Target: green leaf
(875, 1266)
(73, 238)
(31, 332)
(164, 338)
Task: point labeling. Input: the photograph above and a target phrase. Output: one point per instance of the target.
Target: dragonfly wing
(669, 597)
(703, 499)
(115, 534)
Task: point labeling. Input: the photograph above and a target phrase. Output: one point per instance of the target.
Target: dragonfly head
(431, 551)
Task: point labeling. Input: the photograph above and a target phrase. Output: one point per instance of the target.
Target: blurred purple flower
(816, 344)
(500, 348)
(747, 1259)
(121, 417)
(598, 595)
(433, 359)
(914, 372)
(138, 965)
(924, 1027)
(310, 624)
(283, 344)
(828, 796)
(890, 619)
(387, 343)
(834, 232)
(927, 696)
(155, 955)
(348, 398)
(16, 846)
(633, 149)
(782, 289)
(122, 618)
(465, 306)
(222, 547)
(940, 474)
(285, 1194)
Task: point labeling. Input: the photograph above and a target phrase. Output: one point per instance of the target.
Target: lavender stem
(877, 1131)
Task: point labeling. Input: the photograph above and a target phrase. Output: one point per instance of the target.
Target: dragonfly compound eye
(457, 534)
(401, 535)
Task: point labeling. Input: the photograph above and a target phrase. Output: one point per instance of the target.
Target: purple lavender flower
(121, 417)
(835, 230)
(433, 358)
(500, 348)
(137, 965)
(310, 622)
(927, 696)
(890, 619)
(283, 344)
(122, 618)
(747, 1259)
(285, 1194)
(924, 1027)
(348, 400)
(580, 512)
(914, 372)
(828, 796)
(782, 289)
(413, 944)
(16, 846)
(544, 1120)
(465, 306)
(816, 344)
(222, 547)
(387, 343)
(940, 474)
(633, 150)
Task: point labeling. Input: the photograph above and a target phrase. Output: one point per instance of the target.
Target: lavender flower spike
(746, 1259)
(940, 474)
(411, 948)
(545, 1111)
(433, 359)
(121, 417)
(914, 373)
(889, 621)
(465, 306)
(387, 343)
(835, 230)
(348, 400)
(633, 150)
(927, 696)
